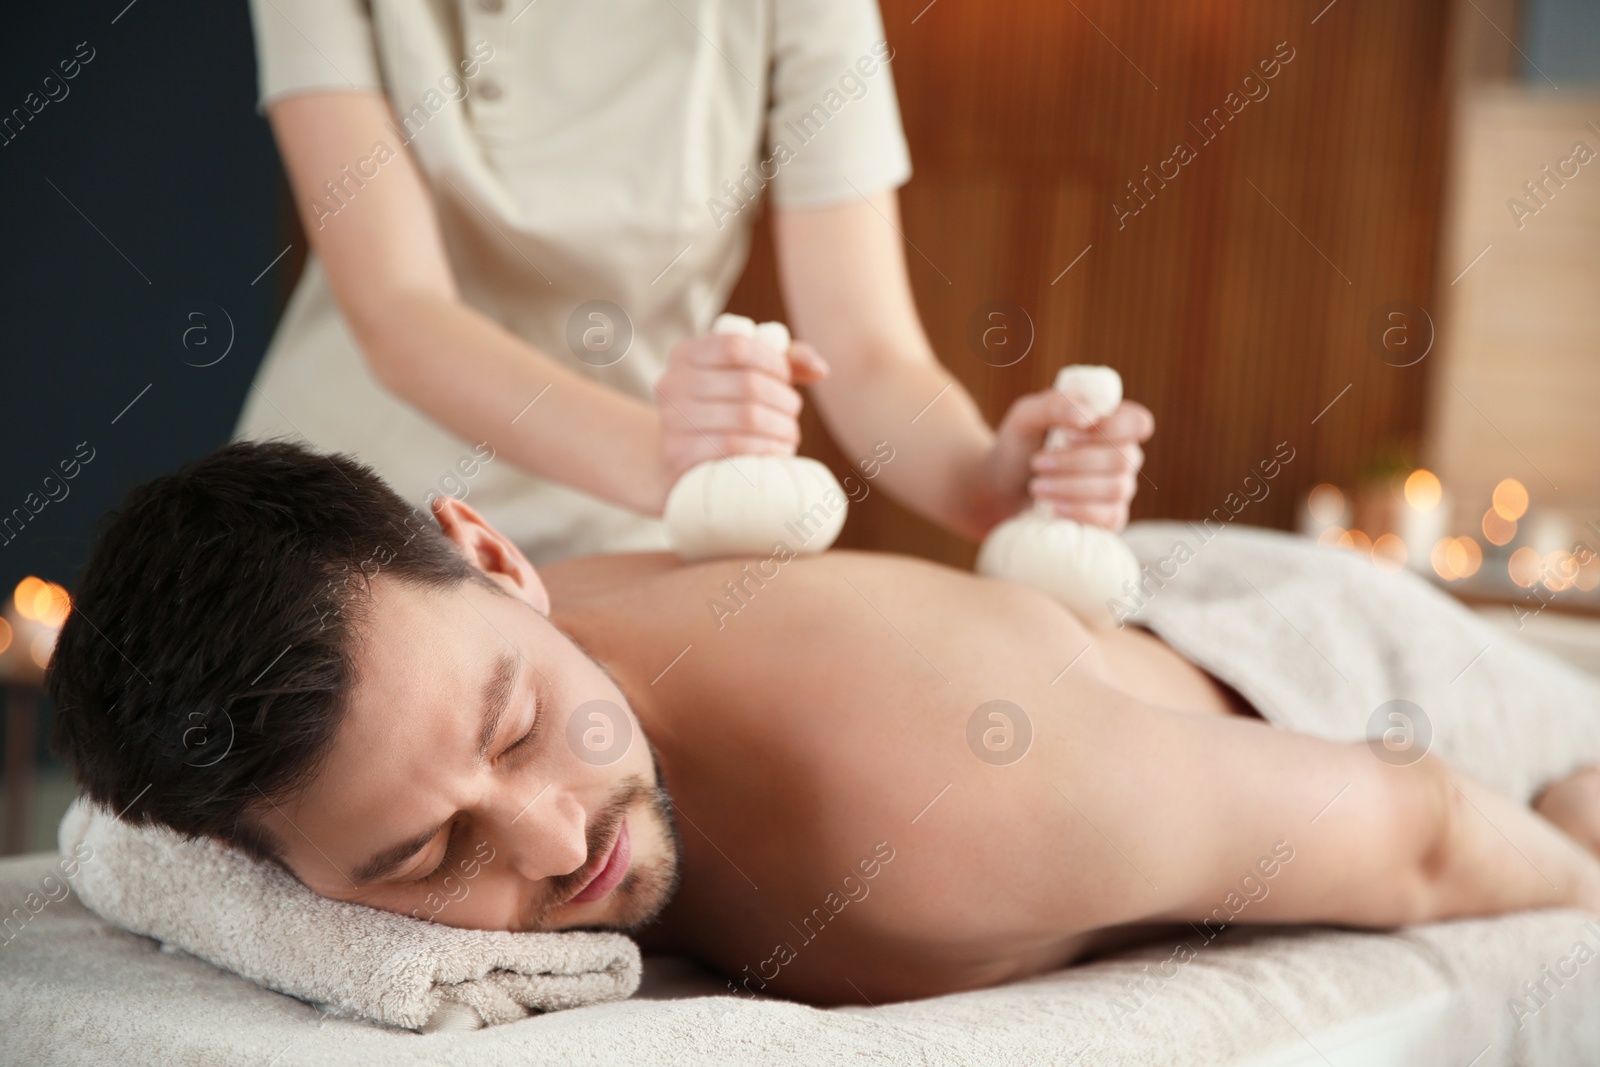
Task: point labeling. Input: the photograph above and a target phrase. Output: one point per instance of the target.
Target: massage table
(77, 991)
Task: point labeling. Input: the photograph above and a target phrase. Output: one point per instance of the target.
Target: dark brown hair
(210, 650)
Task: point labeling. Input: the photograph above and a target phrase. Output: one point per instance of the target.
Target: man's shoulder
(581, 577)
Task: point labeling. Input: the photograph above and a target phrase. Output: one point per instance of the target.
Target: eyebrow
(496, 701)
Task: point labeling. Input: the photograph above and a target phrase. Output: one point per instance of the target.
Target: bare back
(850, 805)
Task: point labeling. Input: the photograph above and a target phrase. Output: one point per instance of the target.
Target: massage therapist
(524, 217)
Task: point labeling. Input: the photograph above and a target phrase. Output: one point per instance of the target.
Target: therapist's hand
(1092, 480)
(726, 395)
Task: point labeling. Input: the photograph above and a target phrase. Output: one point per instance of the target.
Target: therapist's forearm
(940, 439)
(483, 383)
(389, 271)
(845, 283)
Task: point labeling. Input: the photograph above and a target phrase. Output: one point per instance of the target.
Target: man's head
(271, 648)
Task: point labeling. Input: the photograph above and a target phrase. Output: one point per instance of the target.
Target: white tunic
(577, 151)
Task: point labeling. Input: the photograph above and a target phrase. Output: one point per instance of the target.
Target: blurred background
(1384, 266)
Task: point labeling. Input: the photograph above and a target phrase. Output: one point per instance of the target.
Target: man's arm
(1232, 820)
(846, 288)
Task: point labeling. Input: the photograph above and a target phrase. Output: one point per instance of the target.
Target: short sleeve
(833, 126)
(306, 45)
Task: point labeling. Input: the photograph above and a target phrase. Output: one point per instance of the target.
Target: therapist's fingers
(728, 395)
(724, 369)
(735, 444)
(1084, 489)
(1132, 421)
(1102, 458)
(695, 429)
(806, 365)
(748, 386)
(726, 350)
(743, 419)
(802, 364)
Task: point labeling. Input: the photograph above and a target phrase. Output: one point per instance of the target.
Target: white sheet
(76, 991)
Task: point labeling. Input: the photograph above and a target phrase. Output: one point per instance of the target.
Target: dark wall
(1562, 42)
(139, 206)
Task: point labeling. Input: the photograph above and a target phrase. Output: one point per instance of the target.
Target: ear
(491, 551)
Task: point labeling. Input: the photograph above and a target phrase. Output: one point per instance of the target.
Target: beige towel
(257, 921)
(1322, 642)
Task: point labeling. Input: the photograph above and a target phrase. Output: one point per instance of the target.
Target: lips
(610, 872)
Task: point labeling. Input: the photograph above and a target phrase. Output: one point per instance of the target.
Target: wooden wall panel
(1519, 381)
(1236, 303)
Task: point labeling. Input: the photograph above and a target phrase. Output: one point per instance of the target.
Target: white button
(489, 90)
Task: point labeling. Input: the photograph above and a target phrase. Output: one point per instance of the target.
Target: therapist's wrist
(645, 484)
(986, 497)
(652, 498)
(653, 474)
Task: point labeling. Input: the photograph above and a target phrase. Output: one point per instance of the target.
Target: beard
(647, 887)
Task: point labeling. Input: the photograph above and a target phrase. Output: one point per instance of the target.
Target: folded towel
(1322, 642)
(256, 920)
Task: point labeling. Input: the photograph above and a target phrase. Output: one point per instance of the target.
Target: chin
(643, 894)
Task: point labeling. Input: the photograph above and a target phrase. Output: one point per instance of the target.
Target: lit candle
(29, 626)
(1324, 508)
(1424, 517)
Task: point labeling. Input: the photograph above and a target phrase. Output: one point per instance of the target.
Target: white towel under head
(255, 920)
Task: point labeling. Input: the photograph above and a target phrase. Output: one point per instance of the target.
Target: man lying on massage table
(466, 739)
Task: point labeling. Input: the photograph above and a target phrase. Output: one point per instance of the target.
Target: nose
(546, 835)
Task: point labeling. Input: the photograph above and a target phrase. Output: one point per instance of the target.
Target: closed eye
(444, 861)
(524, 744)
(516, 751)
